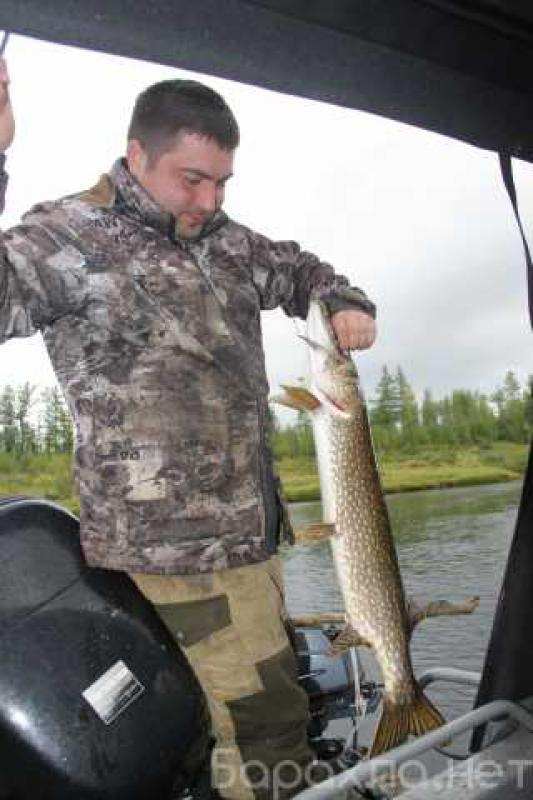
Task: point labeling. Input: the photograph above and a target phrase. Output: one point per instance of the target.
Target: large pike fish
(355, 514)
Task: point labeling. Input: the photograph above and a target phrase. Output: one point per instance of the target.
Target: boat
(88, 668)
(461, 68)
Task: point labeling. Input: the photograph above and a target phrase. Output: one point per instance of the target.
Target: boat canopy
(458, 67)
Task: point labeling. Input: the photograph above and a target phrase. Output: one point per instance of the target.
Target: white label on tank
(113, 692)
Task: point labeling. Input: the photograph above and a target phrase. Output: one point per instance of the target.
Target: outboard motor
(96, 699)
(338, 690)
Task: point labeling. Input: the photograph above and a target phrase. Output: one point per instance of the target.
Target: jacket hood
(132, 198)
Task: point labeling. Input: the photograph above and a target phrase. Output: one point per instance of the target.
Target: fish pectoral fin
(297, 397)
(438, 608)
(346, 638)
(316, 532)
(398, 720)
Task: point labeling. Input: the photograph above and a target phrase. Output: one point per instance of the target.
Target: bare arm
(7, 127)
(7, 122)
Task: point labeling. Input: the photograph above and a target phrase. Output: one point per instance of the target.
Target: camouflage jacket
(156, 343)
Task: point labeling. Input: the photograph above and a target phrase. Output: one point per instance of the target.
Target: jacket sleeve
(41, 276)
(285, 275)
(3, 182)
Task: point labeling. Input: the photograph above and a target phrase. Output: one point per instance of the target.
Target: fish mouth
(335, 403)
(320, 348)
(333, 353)
(333, 406)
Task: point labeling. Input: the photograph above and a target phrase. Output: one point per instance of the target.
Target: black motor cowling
(96, 699)
(329, 682)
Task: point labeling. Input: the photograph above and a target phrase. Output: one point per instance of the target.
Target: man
(149, 300)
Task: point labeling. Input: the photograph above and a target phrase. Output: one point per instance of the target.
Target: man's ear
(136, 157)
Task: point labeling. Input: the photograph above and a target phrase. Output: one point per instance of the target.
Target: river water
(451, 544)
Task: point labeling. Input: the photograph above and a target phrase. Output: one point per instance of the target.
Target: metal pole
(3, 43)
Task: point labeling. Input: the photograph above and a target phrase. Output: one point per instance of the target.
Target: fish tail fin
(398, 721)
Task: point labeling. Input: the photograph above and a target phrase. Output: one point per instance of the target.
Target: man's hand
(7, 122)
(354, 329)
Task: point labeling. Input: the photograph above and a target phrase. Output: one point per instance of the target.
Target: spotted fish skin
(363, 549)
(362, 545)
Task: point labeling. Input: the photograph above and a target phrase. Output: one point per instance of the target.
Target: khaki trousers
(230, 626)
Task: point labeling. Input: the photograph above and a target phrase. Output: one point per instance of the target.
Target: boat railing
(370, 769)
(448, 675)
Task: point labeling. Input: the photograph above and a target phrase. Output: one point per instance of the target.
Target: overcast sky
(420, 221)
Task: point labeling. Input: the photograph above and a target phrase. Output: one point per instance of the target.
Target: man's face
(188, 181)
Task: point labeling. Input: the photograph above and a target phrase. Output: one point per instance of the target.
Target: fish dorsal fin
(297, 397)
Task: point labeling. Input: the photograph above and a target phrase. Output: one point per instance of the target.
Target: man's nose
(207, 197)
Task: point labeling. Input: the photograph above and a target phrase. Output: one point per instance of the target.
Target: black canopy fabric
(508, 669)
(460, 68)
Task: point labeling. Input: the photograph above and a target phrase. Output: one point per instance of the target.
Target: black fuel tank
(96, 699)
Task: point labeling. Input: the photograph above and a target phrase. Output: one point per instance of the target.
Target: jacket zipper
(262, 487)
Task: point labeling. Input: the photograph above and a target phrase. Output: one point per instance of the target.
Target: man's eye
(192, 181)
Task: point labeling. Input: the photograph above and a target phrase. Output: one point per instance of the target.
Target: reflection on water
(451, 543)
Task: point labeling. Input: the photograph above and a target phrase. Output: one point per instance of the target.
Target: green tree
(447, 433)
(408, 410)
(430, 411)
(67, 428)
(511, 407)
(484, 428)
(498, 398)
(528, 403)
(8, 420)
(305, 439)
(386, 405)
(56, 423)
(511, 386)
(462, 415)
(24, 402)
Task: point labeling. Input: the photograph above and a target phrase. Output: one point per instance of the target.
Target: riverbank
(429, 469)
(50, 476)
(47, 476)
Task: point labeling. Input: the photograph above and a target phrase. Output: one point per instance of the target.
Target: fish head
(334, 376)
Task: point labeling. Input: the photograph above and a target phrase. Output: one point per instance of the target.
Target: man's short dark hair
(168, 108)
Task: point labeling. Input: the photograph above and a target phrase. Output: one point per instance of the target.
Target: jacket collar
(133, 199)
